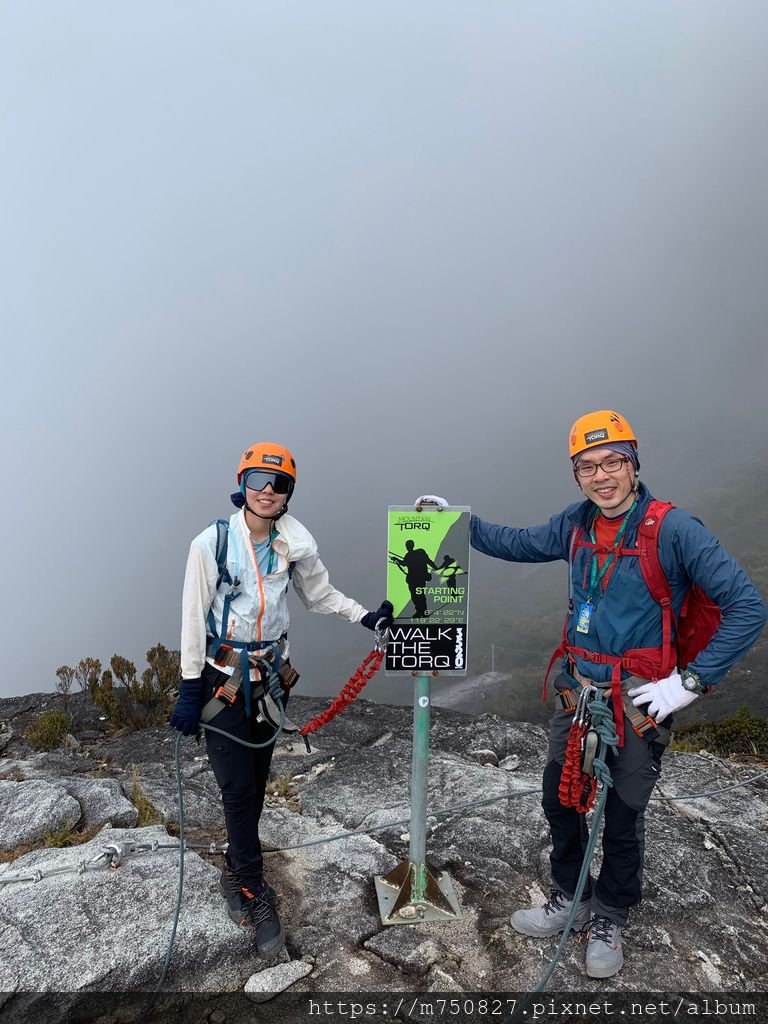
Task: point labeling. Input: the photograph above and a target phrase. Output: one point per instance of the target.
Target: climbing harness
(643, 725)
(268, 694)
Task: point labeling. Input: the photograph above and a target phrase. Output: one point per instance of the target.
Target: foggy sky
(410, 242)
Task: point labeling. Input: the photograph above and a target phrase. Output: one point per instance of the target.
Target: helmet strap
(257, 515)
(272, 519)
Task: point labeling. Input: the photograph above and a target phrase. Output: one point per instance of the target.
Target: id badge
(585, 614)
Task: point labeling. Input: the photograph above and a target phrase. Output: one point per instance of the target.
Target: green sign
(428, 585)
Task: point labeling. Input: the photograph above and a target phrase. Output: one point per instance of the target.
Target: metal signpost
(428, 587)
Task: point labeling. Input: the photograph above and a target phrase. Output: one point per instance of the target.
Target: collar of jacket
(584, 513)
(293, 540)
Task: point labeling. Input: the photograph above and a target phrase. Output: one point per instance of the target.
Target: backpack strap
(655, 577)
(576, 535)
(222, 543)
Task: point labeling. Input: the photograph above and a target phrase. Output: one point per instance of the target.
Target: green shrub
(58, 837)
(741, 733)
(148, 814)
(281, 785)
(49, 730)
(69, 837)
(87, 675)
(66, 677)
(133, 702)
(104, 695)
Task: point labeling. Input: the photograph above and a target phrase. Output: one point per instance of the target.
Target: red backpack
(699, 616)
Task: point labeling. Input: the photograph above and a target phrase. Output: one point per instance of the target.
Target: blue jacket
(626, 616)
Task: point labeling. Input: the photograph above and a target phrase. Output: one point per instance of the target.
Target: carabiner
(381, 638)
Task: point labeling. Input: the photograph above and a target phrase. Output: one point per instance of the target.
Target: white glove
(431, 499)
(665, 697)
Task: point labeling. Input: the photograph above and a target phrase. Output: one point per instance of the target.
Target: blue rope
(148, 1007)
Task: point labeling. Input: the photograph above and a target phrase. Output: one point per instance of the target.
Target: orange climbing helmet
(599, 428)
(270, 457)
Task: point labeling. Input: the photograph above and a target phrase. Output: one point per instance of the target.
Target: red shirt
(605, 534)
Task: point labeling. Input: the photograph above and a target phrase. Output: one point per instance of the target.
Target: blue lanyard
(595, 577)
(271, 561)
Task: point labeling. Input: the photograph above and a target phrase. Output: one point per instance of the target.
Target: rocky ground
(701, 927)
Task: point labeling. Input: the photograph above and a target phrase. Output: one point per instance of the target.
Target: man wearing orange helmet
(633, 564)
(234, 616)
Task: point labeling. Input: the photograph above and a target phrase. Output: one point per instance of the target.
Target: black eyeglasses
(612, 465)
(257, 480)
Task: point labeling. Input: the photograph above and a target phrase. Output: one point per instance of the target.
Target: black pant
(241, 774)
(634, 772)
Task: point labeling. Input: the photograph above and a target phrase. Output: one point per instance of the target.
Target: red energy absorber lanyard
(356, 682)
(576, 788)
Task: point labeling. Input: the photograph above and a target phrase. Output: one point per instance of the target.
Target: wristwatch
(692, 682)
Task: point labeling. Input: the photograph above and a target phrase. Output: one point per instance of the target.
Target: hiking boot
(604, 955)
(541, 922)
(232, 891)
(258, 910)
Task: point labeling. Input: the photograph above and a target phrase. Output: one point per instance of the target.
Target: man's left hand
(382, 617)
(664, 697)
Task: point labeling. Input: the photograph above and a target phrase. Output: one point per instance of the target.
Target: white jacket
(260, 612)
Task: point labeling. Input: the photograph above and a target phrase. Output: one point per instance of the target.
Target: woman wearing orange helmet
(633, 563)
(235, 615)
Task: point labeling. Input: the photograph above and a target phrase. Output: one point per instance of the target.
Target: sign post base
(397, 904)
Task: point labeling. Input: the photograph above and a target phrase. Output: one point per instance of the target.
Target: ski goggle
(257, 480)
